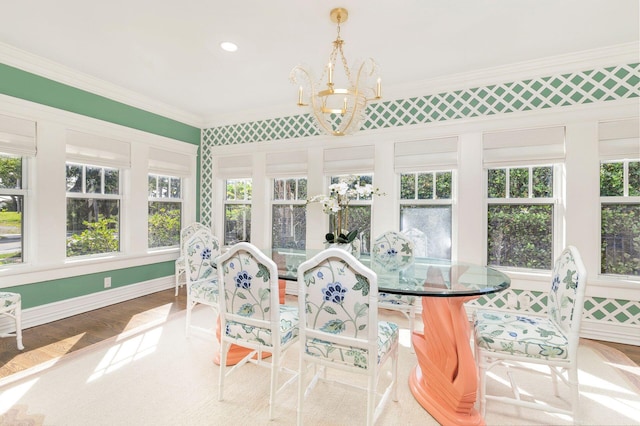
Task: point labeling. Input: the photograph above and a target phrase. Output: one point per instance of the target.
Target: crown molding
(552, 65)
(571, 62)
(42, 67)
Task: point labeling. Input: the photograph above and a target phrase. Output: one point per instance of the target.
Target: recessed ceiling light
(228, 46)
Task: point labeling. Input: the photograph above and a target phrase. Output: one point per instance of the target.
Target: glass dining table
(444, 381)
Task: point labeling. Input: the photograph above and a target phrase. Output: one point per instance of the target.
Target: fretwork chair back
(511, 339)
(251, 315)
(180, 267)
(201, 250)
(339, 327)
(11, 306)
(394, 251)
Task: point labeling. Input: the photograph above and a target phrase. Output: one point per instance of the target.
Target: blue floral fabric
(539, 337)
(201, 250)
(393, 251)
(337, 302)
(247, 289)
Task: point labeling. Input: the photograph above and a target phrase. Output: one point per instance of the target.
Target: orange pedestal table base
(445, 380)
(237, 353)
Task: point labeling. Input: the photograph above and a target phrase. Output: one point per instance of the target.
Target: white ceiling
(168, 50)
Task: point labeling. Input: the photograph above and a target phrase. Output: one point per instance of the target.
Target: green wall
(31, 87)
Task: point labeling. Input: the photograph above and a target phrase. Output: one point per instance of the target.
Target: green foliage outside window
(164, 224)
(520, 235)
(98, 237)
(620, 221)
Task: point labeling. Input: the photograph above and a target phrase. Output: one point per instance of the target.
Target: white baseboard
(43, 314)
(610, 332)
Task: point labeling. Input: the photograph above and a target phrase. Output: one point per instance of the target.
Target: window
(93, 209)
(12, 196)
(620, 217)
(237, 211)
(425, 212)
(165, 211)
(289, 213)
(359, 215)
(520, 216)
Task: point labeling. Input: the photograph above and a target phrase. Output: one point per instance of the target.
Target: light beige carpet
(155, 376)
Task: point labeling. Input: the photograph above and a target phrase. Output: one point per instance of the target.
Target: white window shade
(17, 136)
(353, 159)
(619, 139)
(234, 166)
(424, 155)
(169, 163)
(97, 150)
(287, 163)
(523, 147)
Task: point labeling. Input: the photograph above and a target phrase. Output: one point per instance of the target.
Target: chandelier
(338, 101)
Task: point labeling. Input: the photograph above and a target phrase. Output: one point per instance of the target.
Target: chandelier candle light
(338, 111)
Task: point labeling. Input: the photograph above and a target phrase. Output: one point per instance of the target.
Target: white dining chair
(11, 306)
(252, 317)
(339, 328)
(201, 250)
(520, 340)
(180, 264)
(393, 251)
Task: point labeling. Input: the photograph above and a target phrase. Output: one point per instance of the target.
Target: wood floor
(50, 341)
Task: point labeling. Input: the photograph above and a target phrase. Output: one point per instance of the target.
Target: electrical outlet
(107, 282)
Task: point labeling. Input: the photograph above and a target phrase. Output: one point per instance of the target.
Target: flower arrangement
(336, 204)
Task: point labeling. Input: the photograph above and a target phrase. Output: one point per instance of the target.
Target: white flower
(340, 188)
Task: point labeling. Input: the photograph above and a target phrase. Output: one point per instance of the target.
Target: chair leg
(18, 317)
(371, 399)
(190, 305)
(275, 366)
(177, 280)
(575, 393)
(224, 348)
(482, 381)
(301, 374)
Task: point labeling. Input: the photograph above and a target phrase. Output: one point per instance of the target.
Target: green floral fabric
(391, 252)
(337, 302)
(201, 250)
(9, 301)
(247, 291)
(533, 336)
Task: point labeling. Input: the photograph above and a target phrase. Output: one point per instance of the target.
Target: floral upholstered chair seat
(348, 355)
(181, 263)
(516, 334)
(288, 328)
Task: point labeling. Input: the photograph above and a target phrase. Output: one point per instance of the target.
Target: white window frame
(625, 198)
(555, 202)
(229, 202)
(98, 196)
(297, 201)
(167, 199)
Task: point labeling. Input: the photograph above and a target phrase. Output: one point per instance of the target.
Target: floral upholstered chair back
(248, 278)
(566, 297)
(189, 230)
(393, 251)
(338, 306)
(201, 250)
